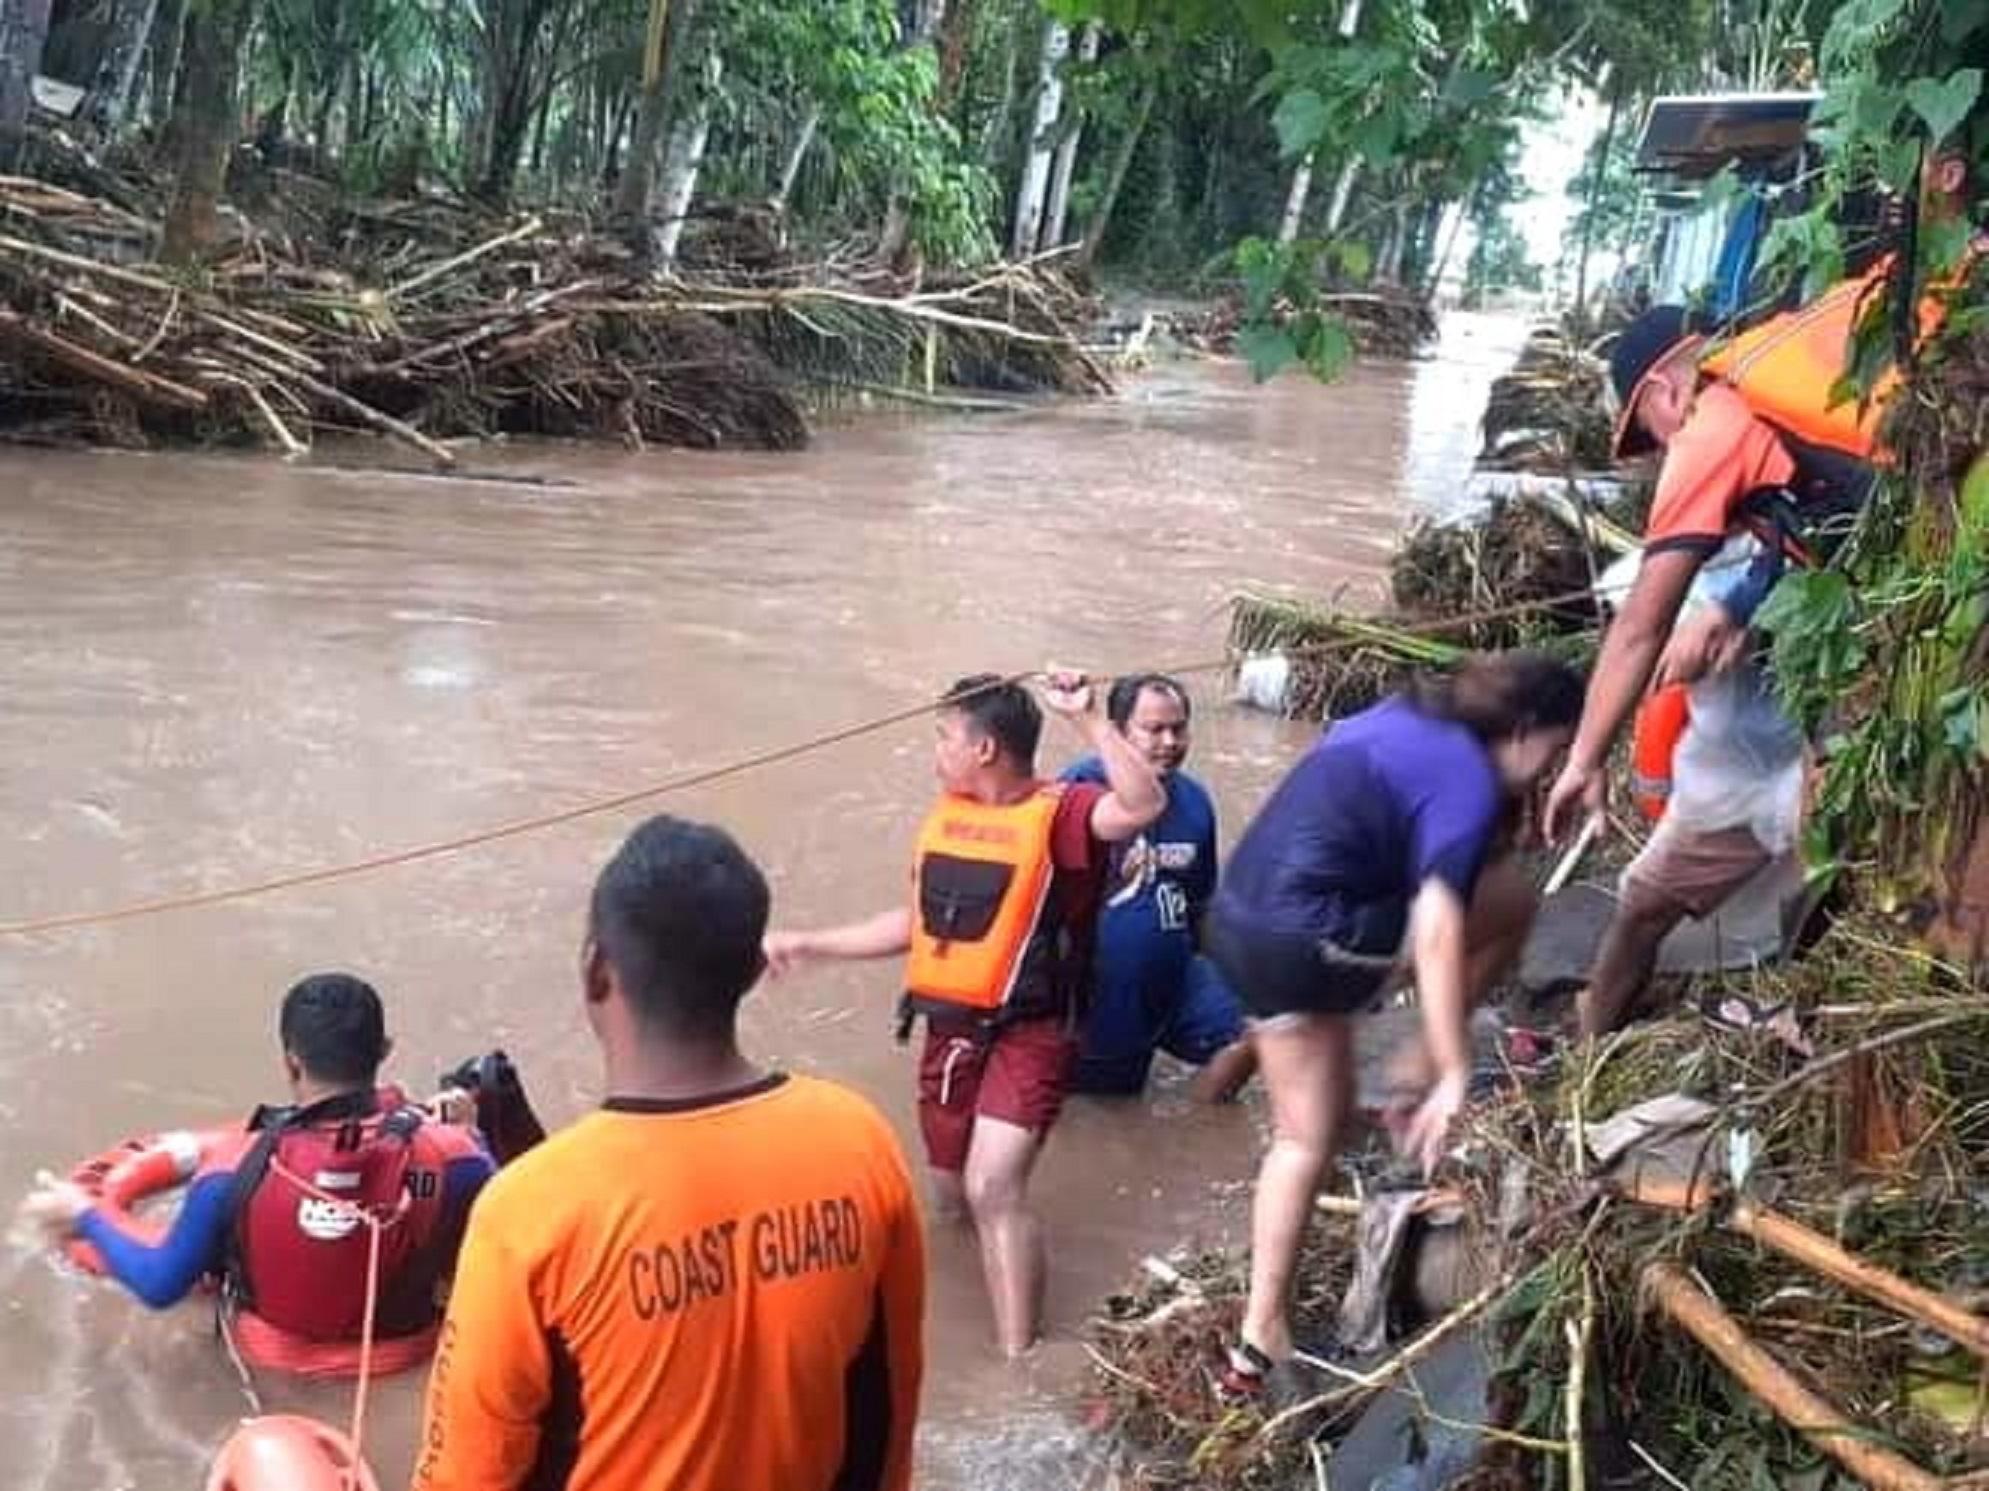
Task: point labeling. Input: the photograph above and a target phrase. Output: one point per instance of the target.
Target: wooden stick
(159, 334)
(134, 381)
(385, 422)
(1701, 1316)
(776, 299)
(1388, 1371)
(1836, 1059)
(1790, 1238)
(1812, 1249)
(290, 443)
(1579, 1337)
(501, 325)
(931, 400)
(516, 346)
(525, 229)
(1571, 861)
(70, 305)
(268, 344)
(87, 266)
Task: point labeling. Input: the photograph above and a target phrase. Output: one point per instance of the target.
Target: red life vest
(1660, 725)
(299, 1261)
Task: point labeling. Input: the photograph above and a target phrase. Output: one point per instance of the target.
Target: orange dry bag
(1660, 724)
(980, 885)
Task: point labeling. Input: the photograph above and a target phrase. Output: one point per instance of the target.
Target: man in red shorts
(997, 940)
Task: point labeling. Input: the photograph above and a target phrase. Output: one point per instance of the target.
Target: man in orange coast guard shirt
(714, 1283)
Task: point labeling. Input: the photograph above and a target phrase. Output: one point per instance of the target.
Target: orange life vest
(983, 931)
(1786, 367)
(1660, 725)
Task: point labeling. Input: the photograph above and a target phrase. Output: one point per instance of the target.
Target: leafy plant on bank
(1885, 653)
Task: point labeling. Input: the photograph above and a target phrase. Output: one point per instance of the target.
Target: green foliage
(1883, 655)
(1284, 322)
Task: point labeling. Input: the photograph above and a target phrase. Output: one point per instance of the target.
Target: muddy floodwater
(219, 669)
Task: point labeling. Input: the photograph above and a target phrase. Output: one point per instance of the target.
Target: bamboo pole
(1701, 1316)
(87, 266)
(1814, 1251)
(290, 443)
(385, 422)
(135, 381)
(1580, 1335)
(428, 276)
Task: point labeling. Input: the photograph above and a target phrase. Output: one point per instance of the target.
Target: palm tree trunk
(1295, 199)
(661, 49)
(1115, 176)
(205, 122)
(683, 160)
(117, 70)
(1594, 205)
(1029, 196)
(1065, 164)
(797, 153)
(23, 34)
(1343, 193)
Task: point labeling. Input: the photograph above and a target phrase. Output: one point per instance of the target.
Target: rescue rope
(375, 1226)
(699, 777)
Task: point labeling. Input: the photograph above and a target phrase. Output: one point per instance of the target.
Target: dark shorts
(1192, 1021)
(1020, 1074)
(1287, 973)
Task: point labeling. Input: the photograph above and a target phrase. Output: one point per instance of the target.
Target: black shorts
(1287, 973)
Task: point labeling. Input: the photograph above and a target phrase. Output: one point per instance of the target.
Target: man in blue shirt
(1154, 991)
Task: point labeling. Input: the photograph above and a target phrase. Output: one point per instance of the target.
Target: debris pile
(1383, 325)
(1519, 574)
(1740, 1246)
(1551, 411)
(427, 321)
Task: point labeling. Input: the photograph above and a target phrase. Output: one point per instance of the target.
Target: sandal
(1243, 1374)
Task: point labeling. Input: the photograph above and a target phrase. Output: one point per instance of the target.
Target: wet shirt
(446, 1170)
(1077, 888)
(1386, 800)
(1719, 456)
(722, 1295)
(1155, 889)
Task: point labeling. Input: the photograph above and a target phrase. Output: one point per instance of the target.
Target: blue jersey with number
(1156, 886)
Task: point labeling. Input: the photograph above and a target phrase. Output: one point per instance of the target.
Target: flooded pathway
(217, 669)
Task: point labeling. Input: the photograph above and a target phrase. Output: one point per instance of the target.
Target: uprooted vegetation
(431, 320)
(1855, 1120)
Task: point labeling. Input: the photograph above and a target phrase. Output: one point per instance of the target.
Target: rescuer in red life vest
(256, 1216)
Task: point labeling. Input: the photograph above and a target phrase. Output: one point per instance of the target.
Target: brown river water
(217, 669)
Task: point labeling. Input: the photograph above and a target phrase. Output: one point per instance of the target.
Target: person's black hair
(1125, 695)
(679, 913)
(1499, 695)
(1005, 712)
(334, 1026)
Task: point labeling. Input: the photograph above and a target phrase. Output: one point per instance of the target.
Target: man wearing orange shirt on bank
(715, 1283)
(1738, 768)
(998, 928)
